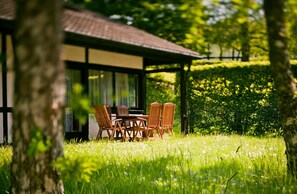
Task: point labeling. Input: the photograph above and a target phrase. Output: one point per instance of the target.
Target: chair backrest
(102, 116)
(154, 114)
(122, 110)
(108, 107)
(168, 115)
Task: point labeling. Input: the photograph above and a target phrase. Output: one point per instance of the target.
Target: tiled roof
(86, 23)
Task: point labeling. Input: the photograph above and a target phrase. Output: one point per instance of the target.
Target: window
(126, 89)
(100, 87)
(113, 88)
(72, 124)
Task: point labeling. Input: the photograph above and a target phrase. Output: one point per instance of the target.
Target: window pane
(122, 89)
(100, 87)
(126, 89)
(71, 123)
(10, 87)
(133, 90)
(9, 122)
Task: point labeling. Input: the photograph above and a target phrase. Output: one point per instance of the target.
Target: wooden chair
(123, 110)
(105, 123)
(167, 119)
(153, 120)
(108, 107)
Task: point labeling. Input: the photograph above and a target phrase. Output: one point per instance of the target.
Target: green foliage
(5, 164)
(80, 103)
(233, 98)
(199, 24)
(237, 25)
(39, 142)
(178, 21)
(163, 87)
(196, 164)
(292, 26)
(79, 169)
(159, 89)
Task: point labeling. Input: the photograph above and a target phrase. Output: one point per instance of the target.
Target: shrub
(233, 98)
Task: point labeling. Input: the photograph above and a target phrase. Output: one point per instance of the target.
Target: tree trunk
(39, 98)
(245, 42)
(283, 77)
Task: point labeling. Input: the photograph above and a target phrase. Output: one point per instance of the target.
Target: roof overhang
(87, 29)
(150, 56)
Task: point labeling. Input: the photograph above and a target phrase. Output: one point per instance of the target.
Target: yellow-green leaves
(39, 142)
(80, 103)
(78, 169)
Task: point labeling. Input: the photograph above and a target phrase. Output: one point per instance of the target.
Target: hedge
(226, 98)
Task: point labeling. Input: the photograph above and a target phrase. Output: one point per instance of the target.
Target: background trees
(178, 21)
(233, 26)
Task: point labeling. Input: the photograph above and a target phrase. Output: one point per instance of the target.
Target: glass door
(73, 128)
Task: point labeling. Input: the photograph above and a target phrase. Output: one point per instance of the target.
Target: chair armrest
(116, 120)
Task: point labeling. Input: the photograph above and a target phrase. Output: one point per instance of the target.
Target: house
(109, 59)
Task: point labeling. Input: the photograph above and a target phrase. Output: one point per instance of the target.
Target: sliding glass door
(102, 87)
(72, 124)
(113, 88)
(126, 87)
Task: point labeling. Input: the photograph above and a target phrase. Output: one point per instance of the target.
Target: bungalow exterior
(109, 59)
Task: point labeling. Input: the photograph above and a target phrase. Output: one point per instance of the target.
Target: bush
(233, 98)
(225, 98)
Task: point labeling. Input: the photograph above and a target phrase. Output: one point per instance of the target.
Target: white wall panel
(73, 53)
(10, 72)
(115, 59)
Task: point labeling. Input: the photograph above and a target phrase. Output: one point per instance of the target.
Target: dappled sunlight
(195, 164)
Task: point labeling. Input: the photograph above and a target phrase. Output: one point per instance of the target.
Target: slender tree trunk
(39, 98)
(221, 53)
(283, 77)
(187, 80)
(245, 42)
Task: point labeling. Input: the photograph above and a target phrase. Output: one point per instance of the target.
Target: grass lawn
(195, 164)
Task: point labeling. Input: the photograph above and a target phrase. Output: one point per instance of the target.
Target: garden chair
(167, 119)
(123, 110)
(105, 123)
(153, 120)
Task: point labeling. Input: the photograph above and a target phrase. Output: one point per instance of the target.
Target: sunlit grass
(195, 164)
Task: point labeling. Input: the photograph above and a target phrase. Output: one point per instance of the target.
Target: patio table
(136, 123)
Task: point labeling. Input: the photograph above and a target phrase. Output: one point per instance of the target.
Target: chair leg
(160, 132)
(117, 128)
(109, 135)
(99, 134)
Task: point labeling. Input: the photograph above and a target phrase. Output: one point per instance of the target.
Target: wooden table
(134, 123)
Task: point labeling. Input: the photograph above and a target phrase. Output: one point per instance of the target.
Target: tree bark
(245, 42)
(283, 77)
(39, 97)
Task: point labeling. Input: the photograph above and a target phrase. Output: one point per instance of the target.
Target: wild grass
(195, 164)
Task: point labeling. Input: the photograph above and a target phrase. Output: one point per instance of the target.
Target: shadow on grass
(173, 174)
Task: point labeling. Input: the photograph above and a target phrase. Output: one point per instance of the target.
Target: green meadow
(193, 164)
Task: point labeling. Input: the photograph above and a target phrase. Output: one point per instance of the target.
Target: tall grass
(195, 164)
